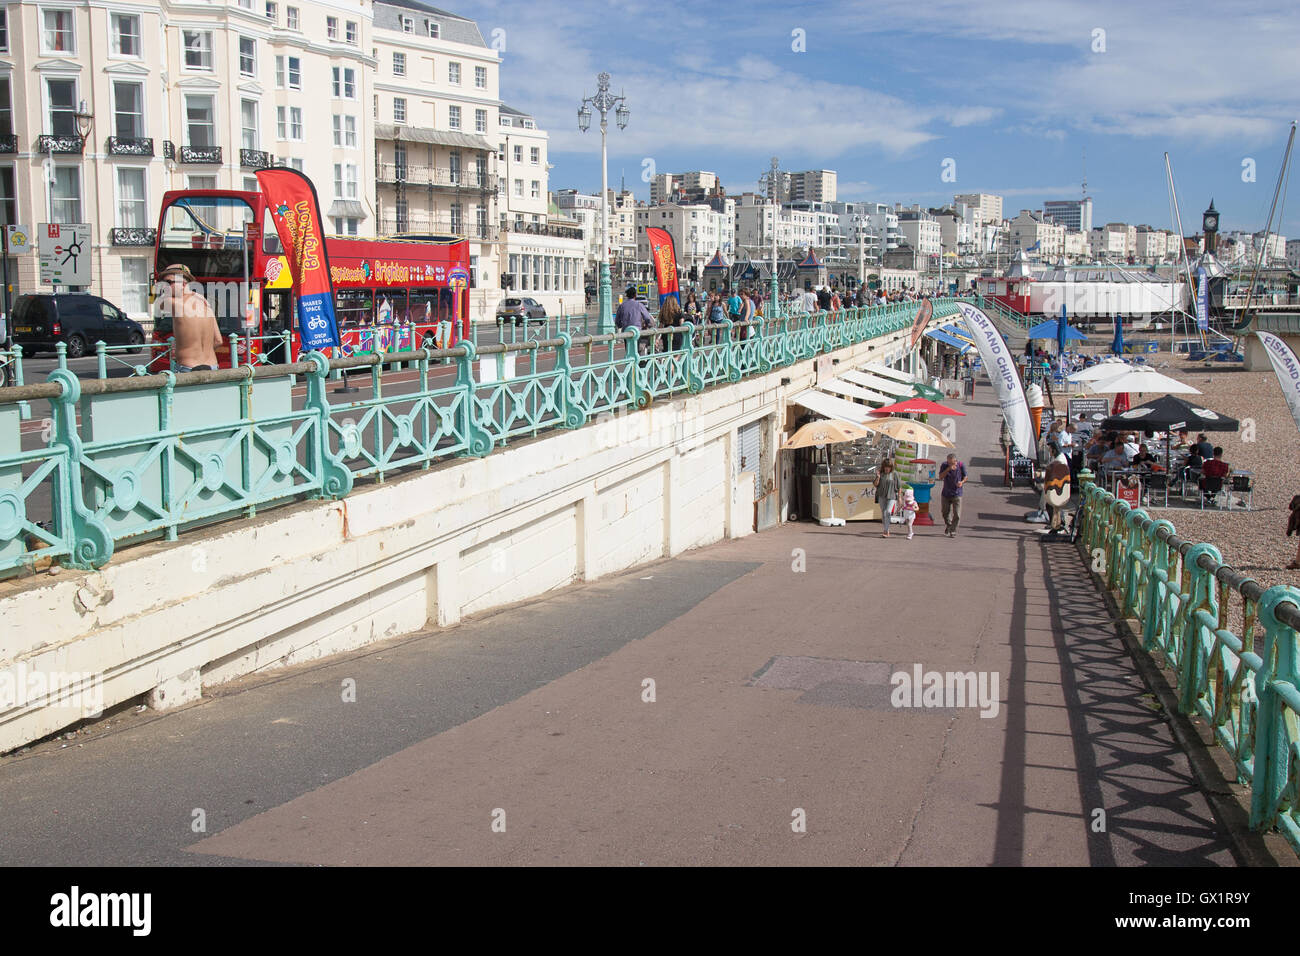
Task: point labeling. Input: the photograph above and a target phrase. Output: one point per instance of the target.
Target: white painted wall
(317, 578)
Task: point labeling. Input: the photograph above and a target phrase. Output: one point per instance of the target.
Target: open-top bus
(390, 294)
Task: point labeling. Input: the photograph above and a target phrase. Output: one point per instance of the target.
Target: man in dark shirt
(824, 299)
(1204, 447)
(953, 475)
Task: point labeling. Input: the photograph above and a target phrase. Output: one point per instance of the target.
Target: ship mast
(1268, 228)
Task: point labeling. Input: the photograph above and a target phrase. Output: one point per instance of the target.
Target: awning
(832, 407)
(438, 137)
(347, 208)
(884, 371)
(946, 339)
(958, 332)
(886, 386)
(839, 386)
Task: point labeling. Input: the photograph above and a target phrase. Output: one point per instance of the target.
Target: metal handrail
(1181, 595)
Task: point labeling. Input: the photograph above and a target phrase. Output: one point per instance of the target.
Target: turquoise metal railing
(994, 307)
(149, 456)
(1244, 683)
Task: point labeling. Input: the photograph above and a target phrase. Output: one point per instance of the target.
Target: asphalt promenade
(528, 735)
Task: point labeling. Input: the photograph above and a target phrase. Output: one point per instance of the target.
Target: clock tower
(1210, 224)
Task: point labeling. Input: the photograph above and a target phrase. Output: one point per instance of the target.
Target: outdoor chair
(1157, 481)
(1244, 485)
(1210, 486)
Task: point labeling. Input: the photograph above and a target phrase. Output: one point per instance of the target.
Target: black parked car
(517, 310)
(74, 318)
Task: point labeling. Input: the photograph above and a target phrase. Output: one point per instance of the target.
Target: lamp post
(603, 102)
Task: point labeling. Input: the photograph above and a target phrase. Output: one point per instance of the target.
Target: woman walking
(887, 486)
(670, 316)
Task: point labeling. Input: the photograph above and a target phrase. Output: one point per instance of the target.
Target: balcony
(391, 225)
(439, 176)
(130, 146)
(132, 236)
(547, 229)
(169, 149)
(8, 144)
(208, 155)
(59, 144)
(254, 159)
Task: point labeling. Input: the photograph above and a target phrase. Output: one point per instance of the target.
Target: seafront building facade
(109, 105)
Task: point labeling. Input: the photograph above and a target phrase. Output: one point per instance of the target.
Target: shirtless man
(194, 326)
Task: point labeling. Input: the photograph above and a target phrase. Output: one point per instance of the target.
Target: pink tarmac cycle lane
(775, 734)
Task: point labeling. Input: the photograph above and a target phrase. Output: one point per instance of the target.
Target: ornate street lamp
(602, 103)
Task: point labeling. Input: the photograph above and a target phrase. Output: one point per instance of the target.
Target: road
(529, 735)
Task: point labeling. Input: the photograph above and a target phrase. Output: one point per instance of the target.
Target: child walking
(909, 510)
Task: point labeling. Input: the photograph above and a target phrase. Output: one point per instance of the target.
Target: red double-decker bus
(390, 294)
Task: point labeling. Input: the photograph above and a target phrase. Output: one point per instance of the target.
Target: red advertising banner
(295, 210)
(922, 320)
(665, 260)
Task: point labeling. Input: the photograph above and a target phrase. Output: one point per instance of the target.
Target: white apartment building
(125, 100)
(698, 231)
(1038, 235)
(584, 210)
(921, 230)
(1075, 214)
(1152, 245)
(454, 160)
(1076, 246)
(622, 225)
(987, 207)
(956, 233)
(1115, 240)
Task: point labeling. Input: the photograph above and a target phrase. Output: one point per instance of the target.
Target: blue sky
(885, 90)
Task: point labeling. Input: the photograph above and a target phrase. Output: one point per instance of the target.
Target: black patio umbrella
(1169, 414)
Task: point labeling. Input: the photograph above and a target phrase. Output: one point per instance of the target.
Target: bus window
(271, 244)
(355, 307)
(390, 306)
(205, 233)
(424, 306)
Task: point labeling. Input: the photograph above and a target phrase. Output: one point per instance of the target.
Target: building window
(6, 111)
(57, 36)
(247, 56)
(132, 208)
(128, 110)
(8, 204)
(198, 49)
(345, 83)
(403, 217)
(295, 72)
(480, 77)
(535, 155)
(62, 96)
(345, 131)
(480, 121)
(519, 188)
(457, 221)
(200, 182)
(135, 285)
(248, 124)
(4, 37)
(480, 221)
(399, 109)
(291, 18)
(272, 11)
(126, 34)
(288, 123)
(295, 164)
(408, 24)
(536, 190)
(453, 167)
(332, 28)
(66, 193)
(433, 30)
(200, 124)
(350, 34)
(453, 117)
(399, 64)
(453, 73)
(345, 181)
(519, 153)
(345, 226)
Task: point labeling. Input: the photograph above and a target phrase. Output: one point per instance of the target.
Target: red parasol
(916, 406)
(1121, 403)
